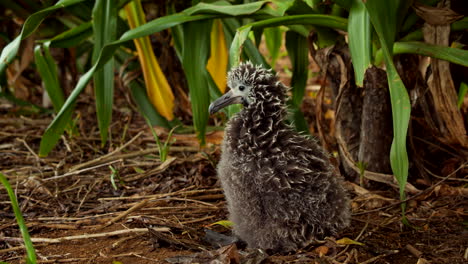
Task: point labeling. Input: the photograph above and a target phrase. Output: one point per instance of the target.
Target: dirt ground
(158, 212)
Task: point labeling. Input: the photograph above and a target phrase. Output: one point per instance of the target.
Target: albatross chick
(281, 190)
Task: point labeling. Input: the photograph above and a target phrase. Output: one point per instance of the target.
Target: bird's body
(280, 188)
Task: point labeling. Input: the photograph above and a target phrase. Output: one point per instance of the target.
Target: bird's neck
(257, 125)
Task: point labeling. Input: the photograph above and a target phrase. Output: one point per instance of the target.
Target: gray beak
(227, 99)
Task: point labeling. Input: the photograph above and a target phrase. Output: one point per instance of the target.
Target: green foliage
(385, 24)
(197, 35)
(104, 31)
(30, 251)
(48, 71)
(359, 36)
(162, 148)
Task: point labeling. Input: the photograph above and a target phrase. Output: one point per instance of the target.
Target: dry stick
(86, 236)
(416, 195)
(161, 168)
(102, 158)
(197, 220)
(378, 177)
(413, 250)
(185, 191)
(29, 148)
(80, 171)
(129, 211)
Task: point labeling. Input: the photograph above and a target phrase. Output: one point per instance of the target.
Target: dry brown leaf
(436, 15)
(322, 251)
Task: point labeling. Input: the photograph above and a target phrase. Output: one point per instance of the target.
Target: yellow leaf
(225, 223)
(218, 61)
(348, 241)
(157, 87)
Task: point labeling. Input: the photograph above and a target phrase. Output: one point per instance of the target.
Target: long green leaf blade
(453, 55)
(48, 72)
(273, 40)
(195, 57)
(19, 218)
(359, 35)
(297, 47)
(383, 15)
(104, 26)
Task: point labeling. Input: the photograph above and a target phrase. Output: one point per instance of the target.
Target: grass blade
(48, 71)
(273, 40)
(453, 55)
(72, 37)
(359, 35)
(383, 16)
(195, 56)
(104, 26)
(30, 251)
(297, 47)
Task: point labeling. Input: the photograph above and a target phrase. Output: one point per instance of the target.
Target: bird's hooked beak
(227, 99)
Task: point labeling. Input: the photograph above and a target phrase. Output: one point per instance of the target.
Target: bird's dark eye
(241, 88)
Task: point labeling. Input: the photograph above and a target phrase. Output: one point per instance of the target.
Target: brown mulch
(157, 212)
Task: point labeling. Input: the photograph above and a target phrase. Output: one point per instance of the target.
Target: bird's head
(248, 85)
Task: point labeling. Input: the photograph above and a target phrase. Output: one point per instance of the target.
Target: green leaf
(359, 35)
(225, 8)
(383, 15)
(243, 32)
(72, 37)
(249, 51)
(195, 57)
(30, 25)
(30, 251)
(48, 71)
(453, 55)
(297, 47)
(273, 40)
(226, 223)
(104, 27)
(298, 52)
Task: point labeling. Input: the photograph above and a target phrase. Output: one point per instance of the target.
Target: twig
(29, 148)
(197, 220)
(104, 157)
(79, 171)
(413, 250)
(86, 236)
(414, 196)
(161, 168)
(129, 211)
(184, 191)
(378, 177)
